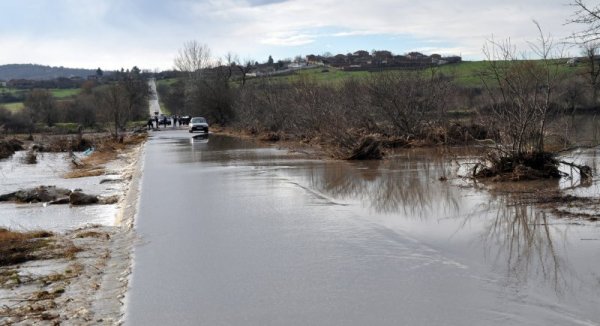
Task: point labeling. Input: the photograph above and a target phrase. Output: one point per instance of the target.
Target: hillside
(39, 72)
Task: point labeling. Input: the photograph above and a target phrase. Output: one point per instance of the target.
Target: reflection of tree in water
(522, 238)
(409, 184)
(523, 233)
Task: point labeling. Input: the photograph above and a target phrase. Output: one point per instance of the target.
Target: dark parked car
(163, 120)
(198, 124)
(185, 120)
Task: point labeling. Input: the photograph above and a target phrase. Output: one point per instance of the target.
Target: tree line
(108, 105)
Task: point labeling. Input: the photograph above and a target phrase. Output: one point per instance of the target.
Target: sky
(114, 34)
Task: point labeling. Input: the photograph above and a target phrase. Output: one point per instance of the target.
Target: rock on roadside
(78, 198)
(56, 196)
(36, 195)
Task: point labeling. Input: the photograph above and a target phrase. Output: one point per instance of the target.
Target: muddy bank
(9, 147)
(87, 286)
(83, 283)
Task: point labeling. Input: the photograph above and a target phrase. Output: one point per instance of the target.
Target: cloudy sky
(148, 33)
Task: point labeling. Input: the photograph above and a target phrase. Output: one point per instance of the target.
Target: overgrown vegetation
(105, 150)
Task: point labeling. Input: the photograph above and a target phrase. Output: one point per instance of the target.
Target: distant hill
(39, 72)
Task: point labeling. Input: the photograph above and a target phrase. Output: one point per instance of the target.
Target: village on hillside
(360, 60)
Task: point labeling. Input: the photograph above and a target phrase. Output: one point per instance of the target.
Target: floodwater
(235, 233)
(15, 175)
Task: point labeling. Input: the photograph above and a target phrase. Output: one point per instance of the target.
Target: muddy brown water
(236, 233)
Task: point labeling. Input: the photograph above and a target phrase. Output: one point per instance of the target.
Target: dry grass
(56, 144)
(93, 234)
(19, 247)
(85, 172)
(106, 150)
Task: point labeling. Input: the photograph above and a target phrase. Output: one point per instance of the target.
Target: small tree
(112, 103)
(521, 92)
(41, 107)
(137, 92)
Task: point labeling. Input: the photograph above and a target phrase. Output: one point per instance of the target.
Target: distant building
(380, 60)
(452, 59)
(415, 55)
(2, 83)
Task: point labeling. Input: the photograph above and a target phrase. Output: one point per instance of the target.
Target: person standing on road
(156, 120)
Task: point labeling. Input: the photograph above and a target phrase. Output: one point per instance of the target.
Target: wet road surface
(232, 233)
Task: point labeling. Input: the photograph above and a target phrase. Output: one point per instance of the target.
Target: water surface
(236, 233)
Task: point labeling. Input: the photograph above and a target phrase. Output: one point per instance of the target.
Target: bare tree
(112, 103)
(592, 72)
(589, 16)
(193, 58)
(238, 68)
(41, 106)
(521, 91)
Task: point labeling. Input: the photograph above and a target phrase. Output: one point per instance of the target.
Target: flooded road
(233, 233)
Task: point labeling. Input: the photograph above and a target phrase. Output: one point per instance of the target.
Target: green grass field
(63, 93)
(168, 81)
(56, 92)
(13, 107)
(467, 73)
(59, 94)
(464, 73)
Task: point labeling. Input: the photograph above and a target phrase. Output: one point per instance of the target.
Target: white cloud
(287, 39)
(113, 33)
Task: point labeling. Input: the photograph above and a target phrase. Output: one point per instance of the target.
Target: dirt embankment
(9, 146)
(78, 277)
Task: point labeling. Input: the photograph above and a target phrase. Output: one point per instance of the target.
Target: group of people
(156, 121)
